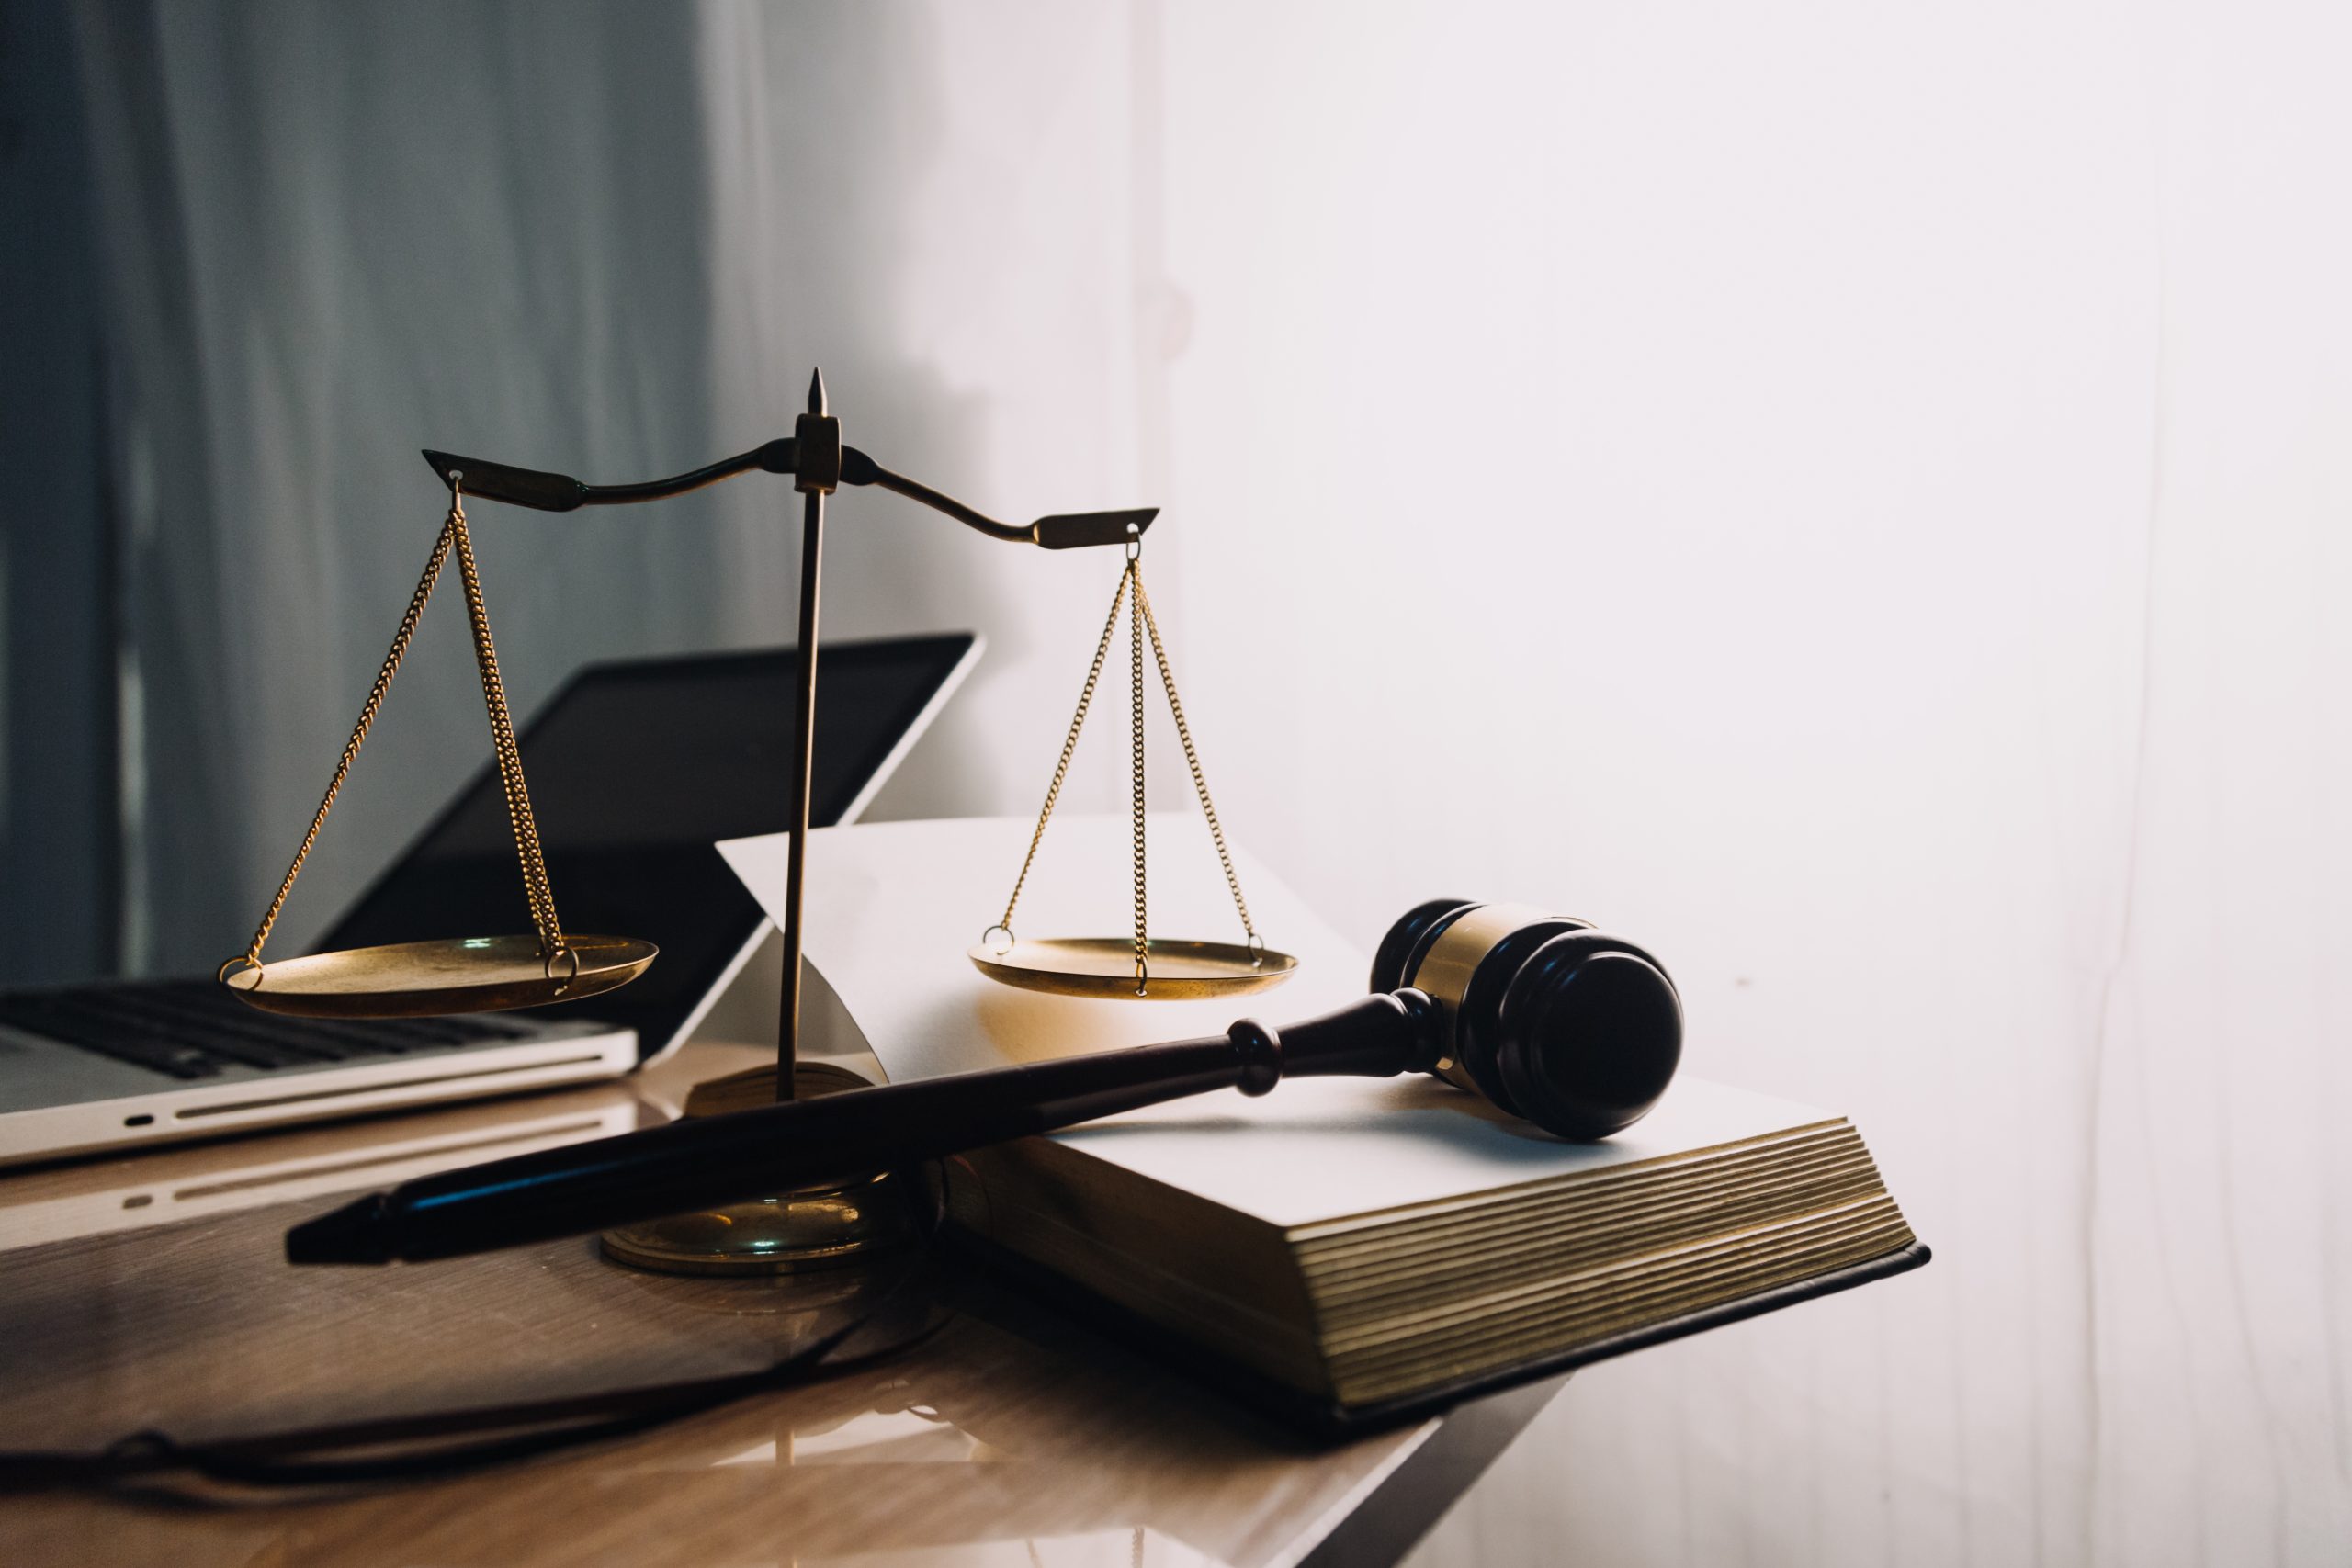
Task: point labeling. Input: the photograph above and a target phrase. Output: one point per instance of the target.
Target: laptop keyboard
(191, 1028)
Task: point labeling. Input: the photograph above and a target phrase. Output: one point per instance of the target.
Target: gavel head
(1550, 1020)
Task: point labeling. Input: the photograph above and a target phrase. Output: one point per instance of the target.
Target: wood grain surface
(1013, 1435)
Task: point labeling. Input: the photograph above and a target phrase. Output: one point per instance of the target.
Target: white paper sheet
(1320, 1149)
(893, 907)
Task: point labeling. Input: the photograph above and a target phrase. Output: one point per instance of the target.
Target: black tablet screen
(636, 769)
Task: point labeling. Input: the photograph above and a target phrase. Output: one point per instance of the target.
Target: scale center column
(816, 472)
(838, 1222)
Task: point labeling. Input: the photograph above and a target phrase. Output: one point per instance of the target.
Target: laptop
(638, 769)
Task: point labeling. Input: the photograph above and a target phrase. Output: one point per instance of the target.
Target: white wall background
(1857, 497)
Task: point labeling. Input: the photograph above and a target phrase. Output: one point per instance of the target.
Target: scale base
(833, 1225)
(815, 1227)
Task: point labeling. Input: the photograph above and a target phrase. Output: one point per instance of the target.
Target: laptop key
(257, 1041)
(191, 1028)
(138, 1048)
(162, 1055)
(255, 1053)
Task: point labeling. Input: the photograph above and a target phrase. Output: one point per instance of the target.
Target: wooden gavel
(1548, 1019)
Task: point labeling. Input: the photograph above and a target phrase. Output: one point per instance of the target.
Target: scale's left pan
(419, 979)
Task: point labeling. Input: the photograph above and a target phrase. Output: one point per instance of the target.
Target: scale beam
(471, 973)
(561, 492)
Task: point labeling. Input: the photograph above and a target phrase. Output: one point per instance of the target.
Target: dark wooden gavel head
(1550, 1020)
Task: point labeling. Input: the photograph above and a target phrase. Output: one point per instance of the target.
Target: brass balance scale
(478, 974)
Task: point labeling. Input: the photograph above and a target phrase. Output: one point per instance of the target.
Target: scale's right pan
(1106, 967)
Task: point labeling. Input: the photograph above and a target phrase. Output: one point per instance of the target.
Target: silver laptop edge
(106, 1196)
(238, 1100)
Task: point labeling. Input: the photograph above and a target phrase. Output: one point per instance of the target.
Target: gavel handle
(713, 1160)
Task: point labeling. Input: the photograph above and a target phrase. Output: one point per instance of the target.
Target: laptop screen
(636, 769)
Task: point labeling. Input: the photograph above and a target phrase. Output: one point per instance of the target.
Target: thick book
(1345, 1250)
(1374, 1246)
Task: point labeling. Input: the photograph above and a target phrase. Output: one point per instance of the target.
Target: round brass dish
(810, 1227)
(419, 979)
(825, 1226)
(1106, 967)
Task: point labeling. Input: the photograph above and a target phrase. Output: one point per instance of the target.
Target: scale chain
(1070, 746)
(433, 566)
(510, 762)
(1135, 629)
(1143, 623)
(509, 756)
(1192, 760)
